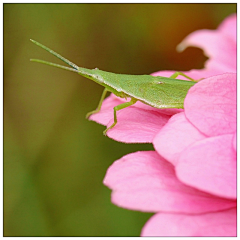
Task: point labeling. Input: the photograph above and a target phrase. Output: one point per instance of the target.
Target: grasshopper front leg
(99, 104)
(117, 108)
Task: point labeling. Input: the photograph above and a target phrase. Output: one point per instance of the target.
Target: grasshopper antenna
(55, 54)
(54, 65)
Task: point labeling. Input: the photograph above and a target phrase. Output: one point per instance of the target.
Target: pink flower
(190, 180)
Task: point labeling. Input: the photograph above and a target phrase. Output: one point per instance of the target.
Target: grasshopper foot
(90, 113)
(105, 131)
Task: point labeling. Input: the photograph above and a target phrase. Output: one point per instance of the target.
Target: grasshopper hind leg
(176, 74)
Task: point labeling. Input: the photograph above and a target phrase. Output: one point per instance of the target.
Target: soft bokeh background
(54, 159)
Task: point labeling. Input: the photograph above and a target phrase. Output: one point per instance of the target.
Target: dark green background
(54, 159)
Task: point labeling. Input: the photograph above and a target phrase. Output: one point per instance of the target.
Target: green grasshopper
(158, 92)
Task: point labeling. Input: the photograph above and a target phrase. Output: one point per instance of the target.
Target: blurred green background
(54, 159)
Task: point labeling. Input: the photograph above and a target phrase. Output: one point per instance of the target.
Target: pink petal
(229, 27)
(216, 224)
(175, 136)
(136, 125)
(235, 141)
(210, 165)
(145, 181)
(219, 45)
(210, 105)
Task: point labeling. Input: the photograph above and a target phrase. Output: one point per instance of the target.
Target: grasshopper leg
(99, 105)
(176, 74)
(117, 108)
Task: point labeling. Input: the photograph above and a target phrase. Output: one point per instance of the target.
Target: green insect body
(158, 92)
